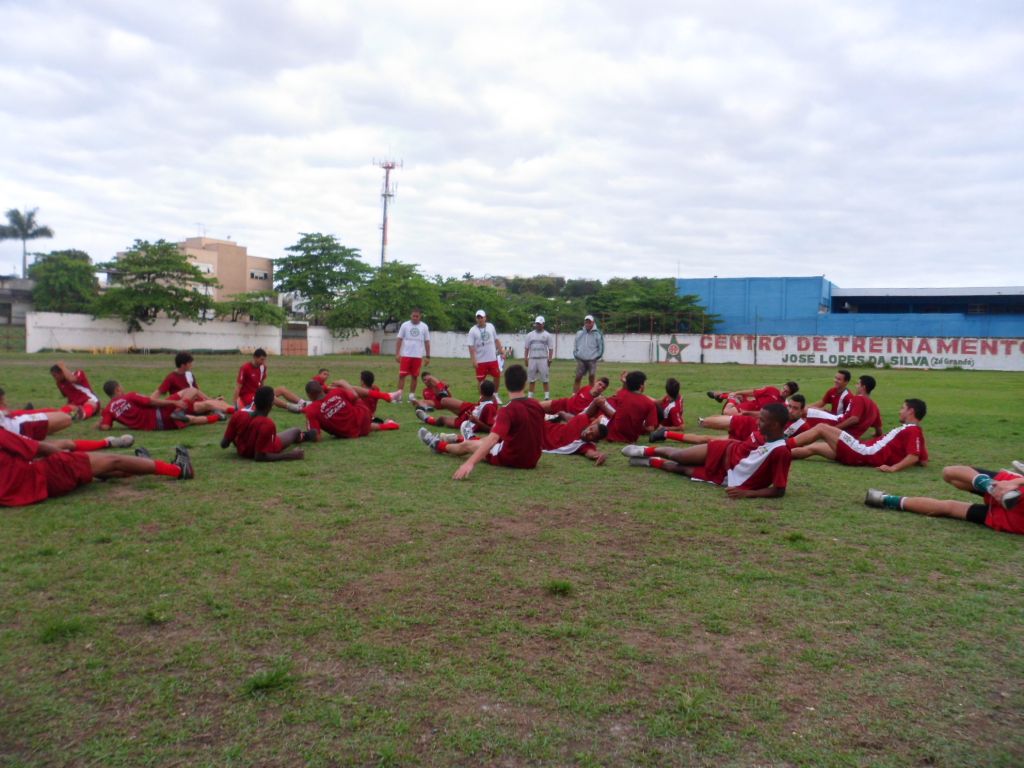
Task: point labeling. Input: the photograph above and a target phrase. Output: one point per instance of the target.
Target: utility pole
(386, 194)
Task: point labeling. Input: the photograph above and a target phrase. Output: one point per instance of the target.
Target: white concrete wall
(319, 341)
(53, 330)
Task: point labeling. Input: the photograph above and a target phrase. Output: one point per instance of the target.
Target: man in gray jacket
(588, 350)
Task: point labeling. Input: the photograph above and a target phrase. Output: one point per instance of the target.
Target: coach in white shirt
(412, 352)
(485, 349)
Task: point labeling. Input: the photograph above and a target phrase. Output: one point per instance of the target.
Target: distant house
(232, 265)
(15, 299)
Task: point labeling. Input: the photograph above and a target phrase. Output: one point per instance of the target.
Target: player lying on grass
(742, 425)
(75, 386)
(580, 399)
(1000, 489)
(252, 376)
(514, 440)
(753, 399)
(180, 384)
(340, 411)
(255, 435)
(479, 415)
(434, 391)
(137, 411)
(897, 449)
(577, 434)
(36, 424)
(757, 467)
(32, 471)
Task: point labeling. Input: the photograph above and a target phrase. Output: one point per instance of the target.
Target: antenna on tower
(386, 194)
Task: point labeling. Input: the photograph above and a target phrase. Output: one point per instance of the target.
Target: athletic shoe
(304, 403)
(657, 435)
(429, 438)
(421, 414)
(712, 395)
(183, 460)
(309, 436)
(875, 498)
(121, 441)
(29, 406)
(639, 462)
(634, 451)
(450, 437)
(1018, 466)
(424, 408)
(294, 407)
(468, 429)
(78, 414)
(220, 414)
(1010, 499)
(142, 453)
(396, 397)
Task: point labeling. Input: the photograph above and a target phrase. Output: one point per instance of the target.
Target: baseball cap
(481, 313)
(588, 317)
(539, 319)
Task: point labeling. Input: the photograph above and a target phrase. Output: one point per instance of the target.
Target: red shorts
(90, 408)
(851, 458)
(483, 370)
(715, 463)
(410, 366)
(464, 413)
(37, 430)
(741, 427)
(66, 471)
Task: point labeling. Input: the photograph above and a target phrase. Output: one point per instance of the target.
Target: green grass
(361, 608)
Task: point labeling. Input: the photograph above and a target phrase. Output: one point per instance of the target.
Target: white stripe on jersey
(844, 403)
(864, 449)
(669, 408)
(746, 468)
(568, 450)
(794, 427)
(817, 413)
(86, 391)
(190, 378)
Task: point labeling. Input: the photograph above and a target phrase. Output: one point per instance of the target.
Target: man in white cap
(588, 350)
(540, 349)
(485, 349)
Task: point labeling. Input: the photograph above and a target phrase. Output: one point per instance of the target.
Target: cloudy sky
(880, 143)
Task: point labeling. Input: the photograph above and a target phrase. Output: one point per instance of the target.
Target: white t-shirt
(538, 343)
(482, 340)
(414, 337)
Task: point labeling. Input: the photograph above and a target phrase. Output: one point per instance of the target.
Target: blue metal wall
(792, 306)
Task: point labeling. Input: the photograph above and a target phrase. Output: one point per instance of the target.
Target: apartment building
(237, 271)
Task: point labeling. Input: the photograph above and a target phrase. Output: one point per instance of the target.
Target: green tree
(65, 281)
(322, 270)
(461, 301)
(387, 298)
(23, 226)
(154, 278)
(648, 305)
(258, 306)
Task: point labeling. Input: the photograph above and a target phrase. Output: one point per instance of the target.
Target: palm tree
(22, 226)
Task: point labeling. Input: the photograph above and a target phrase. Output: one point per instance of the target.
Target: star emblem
(673, 350)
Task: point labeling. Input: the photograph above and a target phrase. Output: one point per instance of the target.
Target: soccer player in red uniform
(580, 399)
(1001, 490)
(670, 407)
(137, 411)
(75, 386)
(340, 411)
(635, 413)
(34, 423)
(578, 435)
(180, 384)
(255, 434)
(861, 412)
(837, 398)
(753, 468)
(252, 376)
(741, 426)
(898, 449)
(480, 414)
(32, 471)
(515, 439)
(754, 399)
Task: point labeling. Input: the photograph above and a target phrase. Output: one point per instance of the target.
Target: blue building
(815, 306)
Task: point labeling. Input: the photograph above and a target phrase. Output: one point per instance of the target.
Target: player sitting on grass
(340, 412)
(479, 415)
(255, 434)
(180, 384)
(741, 426)
(137, 411)
(75, 386)
(1001, 490)
(837, 398)
(32, 471)
(515, 438)
(634, 413)
(753, 399)
(861, 412)
(670, 407)
(898, 449)
(754, 468)
(252, 376)
(434, 391)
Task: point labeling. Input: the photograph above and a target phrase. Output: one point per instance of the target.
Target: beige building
(231, 264)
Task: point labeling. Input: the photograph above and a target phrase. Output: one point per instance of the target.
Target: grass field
(360, 608)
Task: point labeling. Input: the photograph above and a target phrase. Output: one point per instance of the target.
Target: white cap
(588, 317)
(481, 313)
(539, 319)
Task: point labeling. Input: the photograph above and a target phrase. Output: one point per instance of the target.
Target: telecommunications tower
(386, 194)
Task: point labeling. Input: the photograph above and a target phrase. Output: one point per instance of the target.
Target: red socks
(212, 418)
(649, 450)
(656, 462)
(91, 445)
(166, 469)
(441, 446)
(679, 437)
(389, 424)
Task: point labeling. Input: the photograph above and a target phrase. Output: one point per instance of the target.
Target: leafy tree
(387, 298)
(461, 301)
(65, 282)
(259, 306)
(154, 278)
(323, 270)
(646, 304)
(23, 226)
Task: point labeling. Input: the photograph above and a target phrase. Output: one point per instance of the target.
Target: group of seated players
(766, 429)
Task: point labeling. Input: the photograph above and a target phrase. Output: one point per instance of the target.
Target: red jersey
(749, 464)
(633, 412)
(837, 400)
(135, 411)
(890, 448)
(742, 427)
(671, 412)
(867, 411)
(370, 403)
(339, 413)
(175, 382)
(252, 434)
(520, 426)
(250, 378)
(578, 403)
(999, 518)
(761, 397)
(21, 480)
(482, 414)
(78, 390)
(435, 393)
